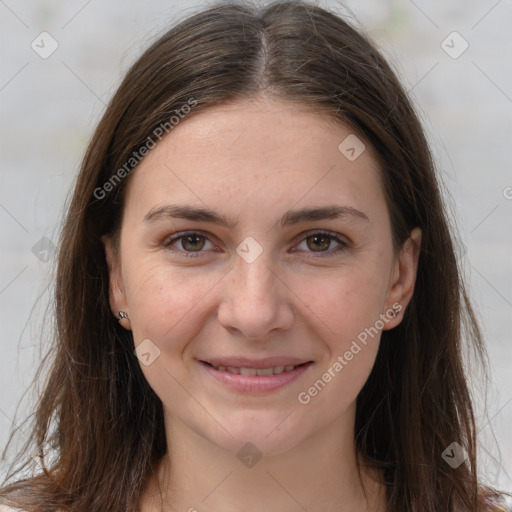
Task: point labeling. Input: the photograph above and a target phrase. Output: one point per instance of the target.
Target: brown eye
(318, 242)
(192, 242)
(322, 243)
(189, 244)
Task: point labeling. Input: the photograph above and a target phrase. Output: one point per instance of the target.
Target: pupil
(317, 242)
(194, 242)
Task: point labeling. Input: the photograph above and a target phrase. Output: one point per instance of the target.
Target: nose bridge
(255, 285)
(255, 300)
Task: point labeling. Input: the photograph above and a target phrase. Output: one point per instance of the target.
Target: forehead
(259, 153)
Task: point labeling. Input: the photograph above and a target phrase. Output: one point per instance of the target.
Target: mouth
(251, 372)
(255, 377)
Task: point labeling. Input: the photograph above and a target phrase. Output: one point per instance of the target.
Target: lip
(256, 383)
(245, 362)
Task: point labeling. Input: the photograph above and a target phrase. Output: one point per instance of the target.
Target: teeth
(265, 371)
(250, 372)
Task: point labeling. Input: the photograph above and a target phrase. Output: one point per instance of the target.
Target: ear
(403, 277)
(116, 295)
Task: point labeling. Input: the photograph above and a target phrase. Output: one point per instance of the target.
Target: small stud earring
(124, 320)
(395, 312)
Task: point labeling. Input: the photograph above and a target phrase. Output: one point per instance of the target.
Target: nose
(256, 302)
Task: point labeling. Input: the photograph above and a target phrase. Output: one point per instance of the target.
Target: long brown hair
(98, 424)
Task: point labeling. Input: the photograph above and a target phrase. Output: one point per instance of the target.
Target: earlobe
(116, 294)
(404, 277)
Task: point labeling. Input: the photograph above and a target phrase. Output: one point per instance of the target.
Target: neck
(320, 474)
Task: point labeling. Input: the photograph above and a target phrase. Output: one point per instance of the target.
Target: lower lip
(256, 383)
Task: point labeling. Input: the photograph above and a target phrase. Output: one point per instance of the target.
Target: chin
(268, 436)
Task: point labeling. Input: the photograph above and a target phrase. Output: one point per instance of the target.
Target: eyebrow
(291, 217)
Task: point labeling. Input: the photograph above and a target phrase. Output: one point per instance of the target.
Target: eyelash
(332, 236)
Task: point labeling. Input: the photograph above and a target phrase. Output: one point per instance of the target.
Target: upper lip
(245, 362)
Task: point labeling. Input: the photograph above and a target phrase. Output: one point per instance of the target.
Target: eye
(321, 242)
(193, 243)
(190, 242)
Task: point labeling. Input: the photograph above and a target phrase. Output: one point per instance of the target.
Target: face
(250, 242)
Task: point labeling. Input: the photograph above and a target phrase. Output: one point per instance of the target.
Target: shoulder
(5, 508)
(503, 504)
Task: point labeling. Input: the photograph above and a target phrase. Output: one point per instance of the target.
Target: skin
(302, 297)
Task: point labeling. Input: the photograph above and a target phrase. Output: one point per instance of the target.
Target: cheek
(334, 388)
(346, 300)
(169, 308)
(348, 319)
(166, 304)
(346, 308)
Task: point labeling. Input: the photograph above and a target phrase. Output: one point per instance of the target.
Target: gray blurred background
(61, 62)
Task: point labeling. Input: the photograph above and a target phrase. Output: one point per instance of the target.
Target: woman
(258, 303)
